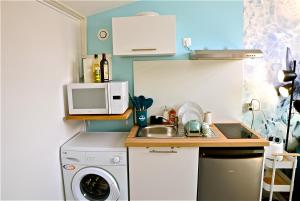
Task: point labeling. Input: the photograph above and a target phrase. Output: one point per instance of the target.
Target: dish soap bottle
(96, 69)
(104, 69)
(165, 115)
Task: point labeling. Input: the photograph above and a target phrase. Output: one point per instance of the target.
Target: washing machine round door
(94, 184)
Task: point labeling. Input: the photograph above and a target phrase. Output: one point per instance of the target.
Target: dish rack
(275, 180)
(210, 133)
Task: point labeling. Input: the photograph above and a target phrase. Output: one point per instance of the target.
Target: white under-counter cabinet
(163, 173)
(144, 35)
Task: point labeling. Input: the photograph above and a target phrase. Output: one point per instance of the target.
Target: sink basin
(159, 131)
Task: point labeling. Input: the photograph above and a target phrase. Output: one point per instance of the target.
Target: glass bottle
(96, 69)
(104, 65)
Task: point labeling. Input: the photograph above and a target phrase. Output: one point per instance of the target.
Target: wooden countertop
(219, 141)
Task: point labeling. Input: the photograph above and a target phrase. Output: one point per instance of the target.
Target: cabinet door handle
(143, 49)
(164, 152)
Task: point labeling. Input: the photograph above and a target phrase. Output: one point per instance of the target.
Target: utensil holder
(141, 117)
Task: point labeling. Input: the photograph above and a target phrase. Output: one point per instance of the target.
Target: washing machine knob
(116, 159)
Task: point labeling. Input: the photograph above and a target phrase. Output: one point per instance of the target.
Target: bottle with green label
(96, 69)
(104, 66)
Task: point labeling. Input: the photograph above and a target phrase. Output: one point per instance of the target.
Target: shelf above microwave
(102, 117)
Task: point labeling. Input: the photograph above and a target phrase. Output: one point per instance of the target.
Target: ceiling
(86, 7)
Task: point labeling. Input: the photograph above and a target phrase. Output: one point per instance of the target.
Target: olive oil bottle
(104, 66)
(96, 69)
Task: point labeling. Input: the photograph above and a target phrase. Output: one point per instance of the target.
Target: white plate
(190, 115)
(190, 106)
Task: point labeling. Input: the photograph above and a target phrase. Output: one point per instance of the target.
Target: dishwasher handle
(231, 152)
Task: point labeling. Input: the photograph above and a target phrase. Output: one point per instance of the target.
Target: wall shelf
(105, 117)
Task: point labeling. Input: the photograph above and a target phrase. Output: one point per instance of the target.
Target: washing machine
(94, 166)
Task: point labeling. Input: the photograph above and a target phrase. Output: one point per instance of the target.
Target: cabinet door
(163, 173)
(144, 35)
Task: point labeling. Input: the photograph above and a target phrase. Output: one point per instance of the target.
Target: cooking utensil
(137, 102)
(148, 103)
(134, 101)
(142, 98)
(141, 101)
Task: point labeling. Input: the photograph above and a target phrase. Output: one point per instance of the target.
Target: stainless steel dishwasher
(230, 174)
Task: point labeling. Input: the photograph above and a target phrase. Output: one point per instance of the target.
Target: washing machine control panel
(116, 159)
(106, 158)
(95, 157)
(72, 157)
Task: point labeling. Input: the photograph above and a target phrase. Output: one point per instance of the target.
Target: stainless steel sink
(160, 131)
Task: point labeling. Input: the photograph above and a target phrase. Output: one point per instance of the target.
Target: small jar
(208, 117)
(205, 128)
(172, 116)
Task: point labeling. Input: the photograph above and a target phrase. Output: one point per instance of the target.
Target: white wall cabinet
(163, 173)
(144, 35)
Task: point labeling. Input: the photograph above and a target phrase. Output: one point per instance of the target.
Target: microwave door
(118, 97)
(90, 100)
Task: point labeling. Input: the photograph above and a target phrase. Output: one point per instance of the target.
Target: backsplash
(198, 81)
(271, 26)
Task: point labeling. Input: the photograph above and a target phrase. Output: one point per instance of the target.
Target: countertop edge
(220, 141)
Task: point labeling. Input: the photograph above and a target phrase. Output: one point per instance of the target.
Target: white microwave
(98, 98)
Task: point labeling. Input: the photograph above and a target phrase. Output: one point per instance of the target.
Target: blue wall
(210, 24)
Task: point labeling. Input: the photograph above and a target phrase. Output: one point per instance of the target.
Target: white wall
(40, 50)
(215, 85)
(0, 90)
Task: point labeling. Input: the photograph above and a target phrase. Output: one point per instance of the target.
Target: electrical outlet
(254, 105)
(187, 42)
(250, 108)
